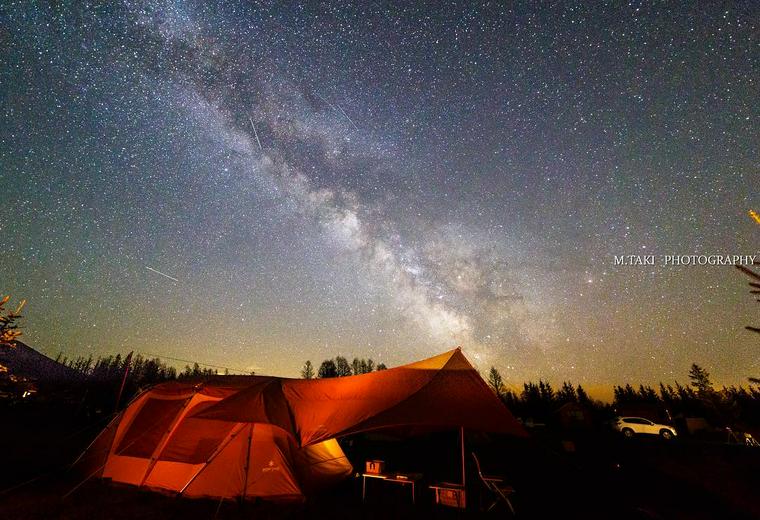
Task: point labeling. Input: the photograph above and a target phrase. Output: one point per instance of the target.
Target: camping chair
(499, 491)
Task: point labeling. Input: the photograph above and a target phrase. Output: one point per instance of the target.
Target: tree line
(99, 379)
(727, 406)
(340, 367)
(142, 371)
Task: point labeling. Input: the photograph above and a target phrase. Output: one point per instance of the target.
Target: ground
(604, 477)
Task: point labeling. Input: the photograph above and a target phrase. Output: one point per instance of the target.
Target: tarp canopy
(276, 438)
(442, 391)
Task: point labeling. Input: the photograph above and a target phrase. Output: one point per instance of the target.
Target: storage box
(374, 467)
(450, 496)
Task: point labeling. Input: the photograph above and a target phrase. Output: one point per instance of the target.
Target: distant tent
(275, 438)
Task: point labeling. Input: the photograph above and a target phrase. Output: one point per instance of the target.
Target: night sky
(253, 185)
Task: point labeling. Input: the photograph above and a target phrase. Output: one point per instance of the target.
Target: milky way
(383, 180)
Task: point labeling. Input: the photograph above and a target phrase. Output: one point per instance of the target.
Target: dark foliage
(340, 367)
(10, 329)
(101, 378)
(307, 372)
(328, 369)
(733, 406)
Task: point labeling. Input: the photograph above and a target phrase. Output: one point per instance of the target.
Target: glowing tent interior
(274, 438)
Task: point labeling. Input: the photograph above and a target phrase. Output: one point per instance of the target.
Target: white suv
(629, 426)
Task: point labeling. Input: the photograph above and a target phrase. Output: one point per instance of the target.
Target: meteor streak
(255, 132)
(162, 274)
(335, 107)
(349, 119)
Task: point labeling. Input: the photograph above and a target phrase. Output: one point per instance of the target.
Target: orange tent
(442, 391)
(275, 438)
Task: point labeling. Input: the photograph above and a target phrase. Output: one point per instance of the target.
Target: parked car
(630, 426)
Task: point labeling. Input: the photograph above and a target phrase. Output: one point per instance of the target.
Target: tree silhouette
(496, 382)
(567, 393)
(756, 289)
(342, 368)
(647, 394)
(362, 366)
(9, 327)
(700, 379)
(625, 394)
(547, 392)
(582, 395)
(327, 369)
(307, 372)
(196, 372)
(538, 400)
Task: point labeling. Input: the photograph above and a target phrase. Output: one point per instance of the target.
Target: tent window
(195, 440)
(149, 426)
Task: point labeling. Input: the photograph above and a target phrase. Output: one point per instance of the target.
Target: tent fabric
(159, 444)
(442, 391)
(275, 438)
(262, 402)
(322, 465)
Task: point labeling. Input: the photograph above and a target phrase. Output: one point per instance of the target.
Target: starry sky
(253, 184)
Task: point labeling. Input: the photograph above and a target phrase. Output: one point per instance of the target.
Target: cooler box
(450, 496)
(374, 467)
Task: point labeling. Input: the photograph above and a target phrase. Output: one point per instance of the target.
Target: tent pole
(81, 455)
(461, 434)
(247, 463)
(224, 443)
(165, 438)
(127, 363)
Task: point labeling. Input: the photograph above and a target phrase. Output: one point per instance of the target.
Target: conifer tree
(307, 372)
